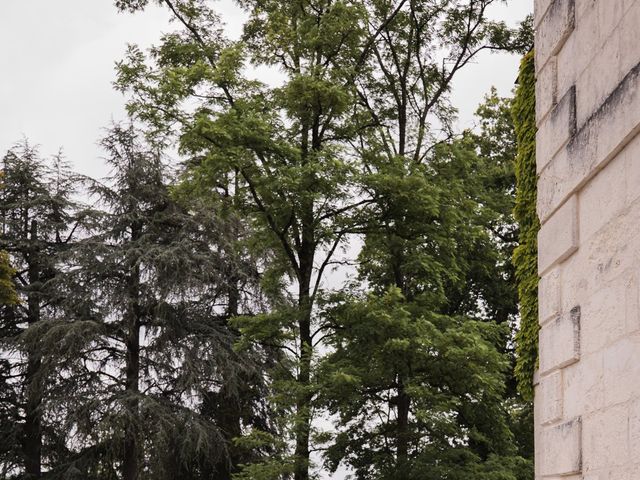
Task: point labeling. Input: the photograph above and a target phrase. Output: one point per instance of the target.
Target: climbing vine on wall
(526, 254)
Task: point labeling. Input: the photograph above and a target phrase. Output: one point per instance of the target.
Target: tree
(440, 297)
(7, 288)
(152, 350)
(280, 148)
(305, 159)
(38, 228)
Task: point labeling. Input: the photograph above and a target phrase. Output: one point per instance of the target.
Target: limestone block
(560, 342)
(629, 36)
(549, 300)
(554, 28)
(592, 86)
(632, 303)
(604, 135)
(584, 7)
(605, 436)
(560, 451)
(558, 237)
(631, 154)
(603, 197)
(610, 13)
(540, 7)
(634, 429)
(550, 396)
(583, 391)
(622, 370)
(556, 129)
(546, 91)
(604, 316)
(580, 49)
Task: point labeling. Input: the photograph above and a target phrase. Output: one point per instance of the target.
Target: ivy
(526, 254)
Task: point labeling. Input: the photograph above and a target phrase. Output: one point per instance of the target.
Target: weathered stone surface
(597, 205)
(549, 301)
(554, 28)
(546, 91)
(583, 391)
(556, 129)
(589, 244)
(605, 436)
(622, 370)
(560, 342)
(605, 134)
(558, 237)
(551, 398)
(561, 449)
(540, 9)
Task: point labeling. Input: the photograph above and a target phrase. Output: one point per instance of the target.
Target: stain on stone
(618, 97)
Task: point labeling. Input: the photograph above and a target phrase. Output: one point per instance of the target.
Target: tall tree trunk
(305, 396)
(402, 438)
(32, 439)
(131, 454)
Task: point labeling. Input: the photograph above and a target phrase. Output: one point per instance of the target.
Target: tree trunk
(131, 454)
(402, 438)
(305, 396)
(32, 439)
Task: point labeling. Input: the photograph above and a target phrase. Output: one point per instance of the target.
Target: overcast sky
(57, 67)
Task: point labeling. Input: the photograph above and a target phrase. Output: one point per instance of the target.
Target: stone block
(592, 87)
(603, 197)
(549, 300)
(550, 396)
(554, 27)
(629, 34)
(540, 7)
(560, 342)
(584, 7)
(622, 370)
(580, 49)
(556, 129)
(558, 237)
(612, 126)
(546, 91)
(603, 316)
(560, 451)
(634, 429)
(605, 438)
(631, 154)
(583, 391)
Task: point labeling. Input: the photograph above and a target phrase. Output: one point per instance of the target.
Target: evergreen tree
(7, 287)
(38, 229)
(151, 298)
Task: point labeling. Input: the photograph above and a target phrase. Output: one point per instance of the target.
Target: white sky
(57, 66)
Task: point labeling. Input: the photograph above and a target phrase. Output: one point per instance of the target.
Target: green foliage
(389, 351)
(39, 224)
(525, 256)
(8, 294)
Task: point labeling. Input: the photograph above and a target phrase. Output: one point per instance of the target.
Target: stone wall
(588, 159)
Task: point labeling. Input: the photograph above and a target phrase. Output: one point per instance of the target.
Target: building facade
(588, 162)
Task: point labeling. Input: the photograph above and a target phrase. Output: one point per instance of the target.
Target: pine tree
(7, 287)
(38, 228)
(150, 294)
